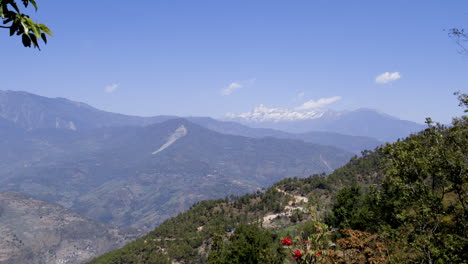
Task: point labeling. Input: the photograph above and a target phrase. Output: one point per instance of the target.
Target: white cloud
(320, 103)
(111, 88)
(387, 77)
(309, 110)
(236, 86)
(231, 88)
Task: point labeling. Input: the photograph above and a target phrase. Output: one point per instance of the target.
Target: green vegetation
(402, 203)
(214, 224)
(419, 209)
(21, 24)
(194, 231)
(421, 206)
(248, 244)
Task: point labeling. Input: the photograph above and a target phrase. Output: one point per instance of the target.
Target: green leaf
(45, 29)
(34, 27)
(25, 28)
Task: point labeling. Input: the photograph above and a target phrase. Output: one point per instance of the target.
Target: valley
(135, 173)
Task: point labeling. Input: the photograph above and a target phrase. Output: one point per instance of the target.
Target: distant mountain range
(361, 122)
(352, 131)
(353, 144)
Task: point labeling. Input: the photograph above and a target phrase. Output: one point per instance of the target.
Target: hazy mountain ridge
(353, 144)
(361, 122)
(111, 175)
(31, 111)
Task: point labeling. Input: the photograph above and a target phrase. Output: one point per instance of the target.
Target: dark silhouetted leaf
(26, 40)
(44, 38)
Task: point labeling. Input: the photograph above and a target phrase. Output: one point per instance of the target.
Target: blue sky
(178, 57)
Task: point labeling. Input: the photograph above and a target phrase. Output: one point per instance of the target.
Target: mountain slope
(31, 111)
(140, 176)
(189, 237)
(34, 232)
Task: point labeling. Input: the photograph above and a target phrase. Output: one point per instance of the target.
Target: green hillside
(403, 203)
(189, 237)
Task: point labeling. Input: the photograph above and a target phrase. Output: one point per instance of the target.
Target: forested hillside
(403, 203)
(288, 206)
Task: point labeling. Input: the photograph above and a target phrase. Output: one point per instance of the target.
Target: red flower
(286, 241)
(297, 254)
(319, 254)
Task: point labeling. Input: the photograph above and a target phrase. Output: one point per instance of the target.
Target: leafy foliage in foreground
(21, 24)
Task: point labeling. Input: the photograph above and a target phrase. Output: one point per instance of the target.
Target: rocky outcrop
(35, 232)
